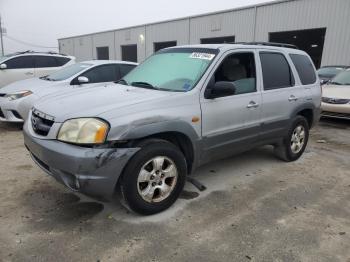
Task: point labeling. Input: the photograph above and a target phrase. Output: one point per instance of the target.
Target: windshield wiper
(121, 81)
(335, 83)
(144, 85)
(47, 78)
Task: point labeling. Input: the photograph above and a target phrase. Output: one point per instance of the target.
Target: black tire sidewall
(131, 172)
(299, 120)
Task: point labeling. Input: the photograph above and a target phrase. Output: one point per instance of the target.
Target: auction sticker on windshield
(204, 56)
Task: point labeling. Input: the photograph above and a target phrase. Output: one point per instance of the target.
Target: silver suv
(181, 108)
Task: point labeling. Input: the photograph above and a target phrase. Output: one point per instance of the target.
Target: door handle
(29, 73)
(252, 104)
(292, 98)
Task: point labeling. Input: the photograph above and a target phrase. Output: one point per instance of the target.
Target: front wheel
(294, 144)
(154, 178)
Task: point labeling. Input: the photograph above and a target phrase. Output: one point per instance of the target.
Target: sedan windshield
(342, 78)
(176, 69)
(67, 72)
(329, 71)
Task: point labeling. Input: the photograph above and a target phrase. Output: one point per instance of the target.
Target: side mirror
(324, 81)
(220, 89)
(3, 66)
(83, 80)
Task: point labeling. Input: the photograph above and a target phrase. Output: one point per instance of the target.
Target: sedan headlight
(84, 131)
(18, 95)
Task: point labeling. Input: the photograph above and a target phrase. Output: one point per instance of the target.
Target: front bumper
(336, 110)
(16, 110)
(91, 171)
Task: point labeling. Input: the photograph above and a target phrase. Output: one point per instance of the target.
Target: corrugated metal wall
(130, 36)
(168, 31)
(249, 24)
(236, 23)
(104, 39)
(307, 14)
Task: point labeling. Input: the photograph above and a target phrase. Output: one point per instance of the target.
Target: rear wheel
(294, 144)
(154, 177)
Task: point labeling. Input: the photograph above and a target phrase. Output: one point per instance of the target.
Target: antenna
(1, 38)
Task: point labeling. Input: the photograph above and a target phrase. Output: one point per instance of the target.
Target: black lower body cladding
(91, 171)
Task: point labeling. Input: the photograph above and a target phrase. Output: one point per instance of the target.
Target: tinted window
(62, 60)
(305, 69)
(45, 61)
(20, 62)
(276, 71)
(105, 73)
(125, 69)
(238, 69)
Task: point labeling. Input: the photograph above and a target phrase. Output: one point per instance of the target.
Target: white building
(320, 27)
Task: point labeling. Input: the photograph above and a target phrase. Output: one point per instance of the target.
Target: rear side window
(125, 69)
(45, 61)
(62, 60)
(276, 71)
(304, 68)
(104, 73)
(20, 62)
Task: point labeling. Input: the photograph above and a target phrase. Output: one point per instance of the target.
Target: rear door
(281, 94)
(44, 65)
(232, 123)
(307, 78)
(18, 68)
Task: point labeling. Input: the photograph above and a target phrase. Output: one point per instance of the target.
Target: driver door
(231, 124)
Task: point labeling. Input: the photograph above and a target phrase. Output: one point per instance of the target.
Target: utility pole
(1, 39)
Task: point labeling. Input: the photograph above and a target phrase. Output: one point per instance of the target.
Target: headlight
(83, 131)
(19, 94)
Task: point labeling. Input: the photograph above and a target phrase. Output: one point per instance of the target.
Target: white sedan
(17, 99)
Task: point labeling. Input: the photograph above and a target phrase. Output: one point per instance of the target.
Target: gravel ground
(255, 208)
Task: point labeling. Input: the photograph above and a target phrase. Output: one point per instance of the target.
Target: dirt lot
(256, 208)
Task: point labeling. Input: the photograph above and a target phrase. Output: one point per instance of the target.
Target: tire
(287, 150)
(163, 180)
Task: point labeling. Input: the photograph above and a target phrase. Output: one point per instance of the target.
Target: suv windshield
(329, 71)
(67, 72)
(176, 69)
(342, 78)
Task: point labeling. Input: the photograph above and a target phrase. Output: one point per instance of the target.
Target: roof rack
(267, 44)
(36, 52)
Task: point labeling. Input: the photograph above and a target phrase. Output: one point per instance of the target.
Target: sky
(37, 24)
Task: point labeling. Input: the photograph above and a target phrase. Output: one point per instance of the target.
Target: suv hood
(336, 91)
(93, 102)
(36, 85)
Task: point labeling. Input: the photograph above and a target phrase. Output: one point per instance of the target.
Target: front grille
(2, 113)
(336, 115)
(41, 123)
(335, 101)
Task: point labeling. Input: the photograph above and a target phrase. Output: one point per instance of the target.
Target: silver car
(181, 108)
(17, 99)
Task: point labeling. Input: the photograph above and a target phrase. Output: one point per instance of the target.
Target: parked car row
(185, 106)
(18, 98)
